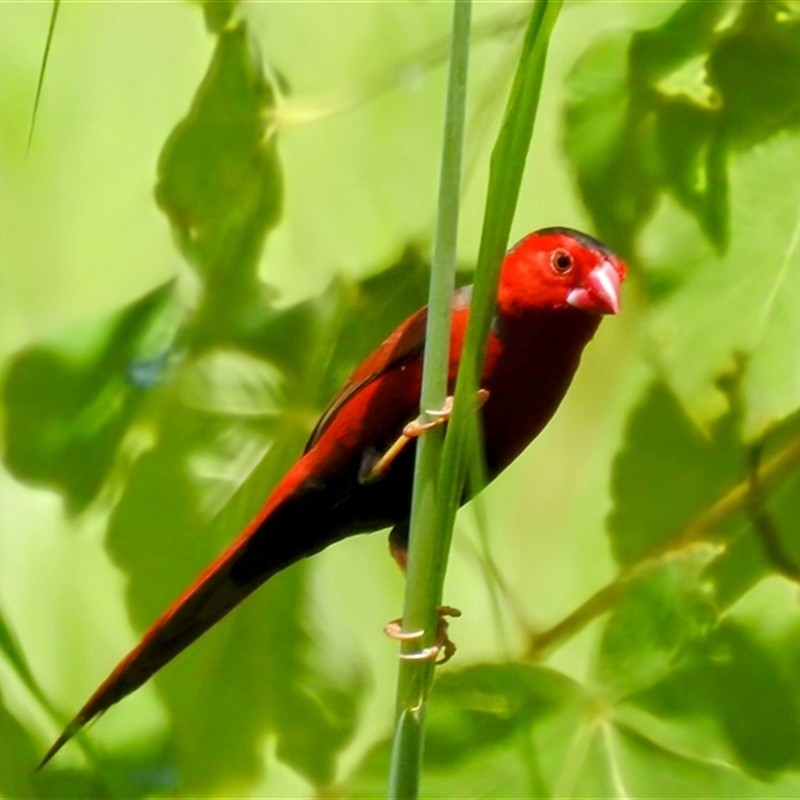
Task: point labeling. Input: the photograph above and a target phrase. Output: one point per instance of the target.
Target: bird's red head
(557, 268)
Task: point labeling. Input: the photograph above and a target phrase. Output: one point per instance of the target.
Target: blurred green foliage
(177, 396)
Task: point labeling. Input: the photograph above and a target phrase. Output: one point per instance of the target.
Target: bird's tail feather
(214, 593)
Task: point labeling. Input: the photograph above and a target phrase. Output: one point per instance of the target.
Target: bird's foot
(442, 645)
(430, 419)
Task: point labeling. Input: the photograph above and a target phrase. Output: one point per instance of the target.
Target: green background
(162, 369)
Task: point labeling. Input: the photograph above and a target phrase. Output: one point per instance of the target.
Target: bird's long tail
(216, 591)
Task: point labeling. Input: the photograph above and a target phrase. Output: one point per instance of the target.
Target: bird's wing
(406, 343)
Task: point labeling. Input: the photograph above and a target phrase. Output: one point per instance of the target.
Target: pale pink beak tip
(600, 293)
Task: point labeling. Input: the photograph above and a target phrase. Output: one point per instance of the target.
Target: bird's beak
(600, 291)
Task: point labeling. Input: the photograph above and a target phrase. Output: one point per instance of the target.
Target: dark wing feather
(406, 343)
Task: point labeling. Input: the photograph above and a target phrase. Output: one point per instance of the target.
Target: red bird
(554, 286)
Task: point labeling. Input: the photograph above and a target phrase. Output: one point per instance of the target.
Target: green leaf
(19, 755)
(636, 766)
(639, 123)
(217, 452)
(663, 612)
(70, 404)
(694, 165)
(611, 143)
(765, 540)
(738, 682)
(656, 53)
(479, 726)
(659, 110)
(745, 302)
(487, 705)
(218, 13)
(15, 656)
(667, 473)
(670, 474)
(320, 341)
(670, 110)
(511, 730)
(219, 177)
(756, 70)
(784, 508)
(497, 773)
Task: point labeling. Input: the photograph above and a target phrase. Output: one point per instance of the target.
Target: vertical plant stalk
(441, 468)
(425, 574)
(505, 178)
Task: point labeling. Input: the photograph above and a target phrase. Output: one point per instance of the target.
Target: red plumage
(555, 284)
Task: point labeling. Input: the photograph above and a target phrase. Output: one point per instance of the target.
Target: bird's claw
(394, 630)
(430, 419)
(434, 417)
(442, 645)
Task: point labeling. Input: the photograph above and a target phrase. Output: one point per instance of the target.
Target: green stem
(505, 177)
(441, 467)
(461, 449)
(425, 563)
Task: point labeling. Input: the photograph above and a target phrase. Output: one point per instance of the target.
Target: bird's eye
(561, 260)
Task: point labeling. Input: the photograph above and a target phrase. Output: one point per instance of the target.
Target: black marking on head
(582, 238)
